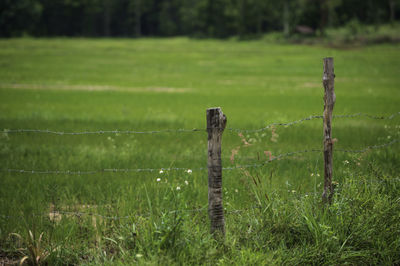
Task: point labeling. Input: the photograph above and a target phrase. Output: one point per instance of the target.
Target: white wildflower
(317, 174)
(236, 190)
(139, 255)
(178, 188)
(312, 174)
(189, 171)
(161, 171)
(186, 182)
(158, 179)
(346, 162)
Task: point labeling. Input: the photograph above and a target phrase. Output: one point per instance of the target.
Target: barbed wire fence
(244, 166)
(236, 167)
(238, 130)
(116, 170)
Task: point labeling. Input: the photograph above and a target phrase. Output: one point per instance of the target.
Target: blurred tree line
(196, 18)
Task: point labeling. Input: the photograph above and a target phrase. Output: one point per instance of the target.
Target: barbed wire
(188, 169)
(75, 172)
(278, 157)
(369, 116)
(286, 124)
(314, 117)
(276, 124)
(100, 132)
(369, 147)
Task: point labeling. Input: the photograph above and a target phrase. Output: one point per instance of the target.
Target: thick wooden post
(216, 122)
(328, 81)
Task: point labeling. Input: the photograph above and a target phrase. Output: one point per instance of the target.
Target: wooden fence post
(216, 122)
(328, 81)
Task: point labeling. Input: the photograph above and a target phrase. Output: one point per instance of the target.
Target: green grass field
(273, 213)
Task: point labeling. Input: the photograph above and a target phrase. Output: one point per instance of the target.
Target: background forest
(194, 18)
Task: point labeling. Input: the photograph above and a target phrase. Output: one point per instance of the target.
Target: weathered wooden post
(328, 81)
(216, 122)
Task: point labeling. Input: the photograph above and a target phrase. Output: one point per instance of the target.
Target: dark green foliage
(198, 18)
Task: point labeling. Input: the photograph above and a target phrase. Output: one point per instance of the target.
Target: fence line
(278, 157)
(370, 147)
(312, 117)
(100, 132)
(287, 124)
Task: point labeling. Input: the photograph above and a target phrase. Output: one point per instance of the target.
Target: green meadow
(273, 212)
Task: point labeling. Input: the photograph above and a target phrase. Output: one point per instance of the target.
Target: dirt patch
(90, 88)
(311, 85)
(4, 260)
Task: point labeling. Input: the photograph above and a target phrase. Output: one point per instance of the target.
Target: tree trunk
(107, 18)
(138, 18)
(392, 8)
(286, 18)
(324, 16)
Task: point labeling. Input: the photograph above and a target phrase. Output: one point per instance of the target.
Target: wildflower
(186, 182)
(268, 154)
(346, 162)
(236, 190)
(158, 179)
(139, 255)
(312, 174)
(306, 195)
(178, 188)
(161, 171)
(317, 174)
(389, 137)
(293, 191)
(189, 171)
(234, 152)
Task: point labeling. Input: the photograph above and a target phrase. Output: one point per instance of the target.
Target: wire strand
(189, 169)
(101, 132)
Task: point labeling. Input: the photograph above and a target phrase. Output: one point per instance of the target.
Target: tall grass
(273, 213)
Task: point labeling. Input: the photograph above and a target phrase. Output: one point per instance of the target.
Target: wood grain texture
(216, 122)
(328, 81)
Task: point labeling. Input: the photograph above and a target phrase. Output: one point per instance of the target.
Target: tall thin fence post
(328, 81)
(216, 122)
